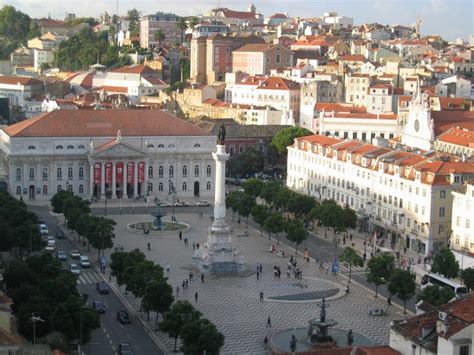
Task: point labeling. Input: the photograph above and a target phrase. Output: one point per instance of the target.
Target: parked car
(123, 317)
(51, 246)
(165, 204)
(51, 239)
(102, 287)
(203, 203)
(84, 261)
(75, 254)
(60, 235)
(98, 306)
(74, 268)
(125, 349)
(61, 255)
(43, 229)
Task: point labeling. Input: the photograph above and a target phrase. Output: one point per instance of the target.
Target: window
(81, 146)
(150, 187)
(185, 170)
(32, 174)
(59, 188)
(468, 223)
(70, 147)
(442, 194)
(464, 350)
(160, 171)
(81, 173)
(69, 187)
(59, 174)
(160, 186)
(18, 190)
(150, 145)
(441, 212)
(59, 146)
(208, 170)
(171, 170)
(196, 170)
(208, 185)
(31, 147)
(150, 171)
(278, 58)
(458, 221)
(69, 173)
(197, 145)
(185, 186)
(81, 189)
(18, 174)
(45, 190)
(171, 146)
(160, 145)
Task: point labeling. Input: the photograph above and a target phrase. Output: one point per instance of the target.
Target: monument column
(124, 188)
(135, 179)
(220, 157)
(102, 180)
(91, 179)
(114, 180)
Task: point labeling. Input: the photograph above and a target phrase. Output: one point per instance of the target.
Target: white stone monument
(217, 255)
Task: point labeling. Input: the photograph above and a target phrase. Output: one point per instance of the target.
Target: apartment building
(166, 22)
(402, 196)
(356, 86)
(462, 222)
(260, 59)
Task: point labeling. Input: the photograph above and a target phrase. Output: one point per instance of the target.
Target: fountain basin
(170, 227)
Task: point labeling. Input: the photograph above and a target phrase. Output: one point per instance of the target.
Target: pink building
(259, 59)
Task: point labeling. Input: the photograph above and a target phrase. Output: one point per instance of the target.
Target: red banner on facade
(130, 173)
(141, 172)
(119, 173)
(97, 173)
(108, 173)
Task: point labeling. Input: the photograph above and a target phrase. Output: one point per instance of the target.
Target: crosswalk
(88, 278)
(343, 267)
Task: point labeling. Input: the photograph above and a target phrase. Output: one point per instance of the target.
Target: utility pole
(35, 319)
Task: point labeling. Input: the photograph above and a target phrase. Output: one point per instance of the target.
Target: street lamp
(173, 192)
(105, 206)
(35, 319)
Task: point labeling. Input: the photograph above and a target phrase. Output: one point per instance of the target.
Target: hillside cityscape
(235, 182)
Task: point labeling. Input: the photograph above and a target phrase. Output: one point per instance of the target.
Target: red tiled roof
(154, 81)
(279, 15)
(242, 15)
(458, 136)
(277, 83)
(135, 69)
(352, 58)
(257, 47)
(103, 123)
(14, 80)
(115, 89)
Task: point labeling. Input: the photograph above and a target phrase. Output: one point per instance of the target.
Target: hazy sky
(449, 18)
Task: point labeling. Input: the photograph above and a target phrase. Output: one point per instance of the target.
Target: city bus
(437, 280)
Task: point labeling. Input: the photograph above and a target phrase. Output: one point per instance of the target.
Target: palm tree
(193, 22)
(159, 36)
(182, 26)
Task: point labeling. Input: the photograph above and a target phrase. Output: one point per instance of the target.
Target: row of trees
(18, 227)
(286, 210)
(40, 287)
(98, 231)
(146, 280)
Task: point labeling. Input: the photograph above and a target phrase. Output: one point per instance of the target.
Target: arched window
(208, 185)
(185, 186)
(45, 173)
(208, 170)
(171, 145)
(81, 189)
(69, 188)
(81, 173)
(31, 147)
(160, 145)
(59, 174)
(70, 146)
(150, 145)
(150, 187)
(45, 189)
(196, 170)
(59, 188)
(185, 170)
(32, 174)
(81, 146)
(18, 174)
(170, 186)
(160, 171)
(197, 145)
(59, 146)
(160, 186)
(171, 170)
(150, 171)
(18, 190)
(69, 173)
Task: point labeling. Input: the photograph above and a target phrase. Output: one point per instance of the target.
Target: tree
(351, 257)
(201, 336)
(445, 263)
(99, 233)
(137, 277)
(300, 204)
(246, 164)
(275, 223)
(269, 191)
(120, 261)
(244, 206)
(58, 201)
(332, 216)
(350, 218)
(286, 137)
(467, 276)
(315, 214)
(158, 297)
(436, 295)
(182, 26)
(14, 25)
(380, 269)
(402, 284)
(259, 214)
(296, 233)
(253, 187)
(159, 36)
(281, 200)
(133, 22)
(181, 313)
(232, 201)
(193, 22)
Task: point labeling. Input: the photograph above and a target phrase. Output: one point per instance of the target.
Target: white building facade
(107, 154)
(462, 223)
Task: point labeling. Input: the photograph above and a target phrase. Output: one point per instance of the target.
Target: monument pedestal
(217, 255)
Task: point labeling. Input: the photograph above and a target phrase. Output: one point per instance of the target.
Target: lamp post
(172, 192)
(105, 206)
(35, 319)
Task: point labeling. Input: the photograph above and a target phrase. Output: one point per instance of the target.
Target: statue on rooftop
(221, 135)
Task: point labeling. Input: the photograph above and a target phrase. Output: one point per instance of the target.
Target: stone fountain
(318, 330)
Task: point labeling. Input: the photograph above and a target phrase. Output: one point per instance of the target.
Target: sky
(449, 18)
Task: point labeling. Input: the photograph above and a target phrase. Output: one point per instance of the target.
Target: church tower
(252, 8)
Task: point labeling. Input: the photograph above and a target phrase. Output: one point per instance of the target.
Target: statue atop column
(221, 135)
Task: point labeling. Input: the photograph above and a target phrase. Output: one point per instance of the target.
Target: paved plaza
(232, 302)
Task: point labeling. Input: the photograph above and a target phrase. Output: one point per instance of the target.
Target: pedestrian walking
(265, 342)
(258, 275)
(195, 296)
(261, 296)
(177, 290)
(183, 285)
(168, 267)
(269, 322)
(180, 235)
(186, 283)
(197, 245)
(186, 241)
(194, 245)
(202, 277)
(190, 276)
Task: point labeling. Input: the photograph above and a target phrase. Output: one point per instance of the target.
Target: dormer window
(417, 175)
(31, 147)
(171, 146)
(197, 145)
(70, 147)
(150, 145)
(59, 146)
(80, 146)
(160, 145)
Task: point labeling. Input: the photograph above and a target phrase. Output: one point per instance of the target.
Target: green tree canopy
(158, 297)
(445, 263)
(436, 295)
(269, 191)
(296, 232)
(467, 276)
(133, 16)
(120, 261)
(201, 336)
(245, 205)
(380, 269)
(333, 216)
(259, 214)
(281, 200)
(286, 136)
(351, 257)
(14, 24)
(182, 26)
(246, 164)
(275, 223)
(253, 187)
(300, 204)
(402, 284)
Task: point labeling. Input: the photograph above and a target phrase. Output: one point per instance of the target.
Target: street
(105, 340)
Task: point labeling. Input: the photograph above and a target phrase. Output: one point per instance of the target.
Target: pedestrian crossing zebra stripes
(88, 278)
(343, 267)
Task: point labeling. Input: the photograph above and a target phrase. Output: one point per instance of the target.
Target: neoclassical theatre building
(107, 154)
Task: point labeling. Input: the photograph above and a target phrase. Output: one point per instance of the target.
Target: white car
(84, 261)
(74, 268)
(43, 229)
(51, 246)
(203, 203)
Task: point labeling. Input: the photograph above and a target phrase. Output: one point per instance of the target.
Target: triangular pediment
(117, 149)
